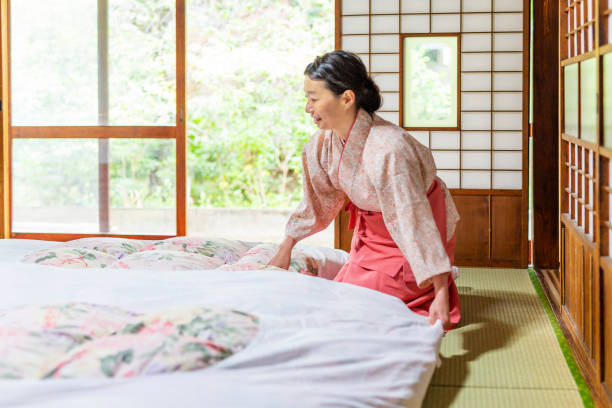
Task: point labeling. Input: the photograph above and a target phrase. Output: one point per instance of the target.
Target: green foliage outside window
(246, 124)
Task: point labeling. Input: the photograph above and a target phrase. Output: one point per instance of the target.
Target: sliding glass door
(101, 140)
(96, 117)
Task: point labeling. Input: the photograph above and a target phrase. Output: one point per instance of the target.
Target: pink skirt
(377, 263)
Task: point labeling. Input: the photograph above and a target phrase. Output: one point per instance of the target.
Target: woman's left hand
(439, 309)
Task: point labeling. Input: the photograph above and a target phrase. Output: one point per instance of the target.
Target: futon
(315, 342)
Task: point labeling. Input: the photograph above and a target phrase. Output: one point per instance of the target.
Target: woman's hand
(282, 259)
(439, 309)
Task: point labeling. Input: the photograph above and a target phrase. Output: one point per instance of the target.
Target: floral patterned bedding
(177, 253)
(81, 340)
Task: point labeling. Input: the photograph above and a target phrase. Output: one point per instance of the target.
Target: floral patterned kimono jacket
(403, 214)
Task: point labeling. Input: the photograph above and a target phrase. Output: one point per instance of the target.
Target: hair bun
(370, 98)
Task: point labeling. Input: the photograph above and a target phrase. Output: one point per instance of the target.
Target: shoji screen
(484, 159)
(585, 145)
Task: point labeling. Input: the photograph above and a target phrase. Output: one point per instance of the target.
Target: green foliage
(430, 96)
(246, 123)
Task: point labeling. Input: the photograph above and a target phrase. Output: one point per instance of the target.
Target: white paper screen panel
(445, 23)
(421, 136)
(445, 6)
(507, 81)
(508, 22)
(507, 120)
(355, 7)
(471, 6)
(507, 160)
(387, 82)
(507, 140)
(385, 7)
(392, 117)
(450, 177)
(487, 150)
(508, 42)
(415, 6)
(477, 22)
(475, 42)
(446, 159)
(476, 101)
(474, 160)
(385, 63)
(476, 82)
(508, 61)
(445, 140)
(385, 24)
(355, 25)
(356, 43)
(385, 43)
(475, 140)
(476, 62)
(570, 101)
(508, 5)
(390, 101)
(475, 121)
(508, 101)
(415, 24)
(476, 179)
(507, 180)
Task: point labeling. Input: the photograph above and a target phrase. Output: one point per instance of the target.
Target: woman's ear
(348, 97)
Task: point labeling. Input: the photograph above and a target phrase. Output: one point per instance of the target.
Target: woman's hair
(342, 70)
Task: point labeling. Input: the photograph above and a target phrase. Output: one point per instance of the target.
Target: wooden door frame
(545, 131)
(4, 140)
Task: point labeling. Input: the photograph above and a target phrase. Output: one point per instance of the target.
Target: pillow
(117, 247)
(226, 250)
(328, 260)
(164, 259)
(67, 257)
(258, 256)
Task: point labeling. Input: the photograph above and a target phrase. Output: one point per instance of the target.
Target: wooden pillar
(545, 134)
(5, 214)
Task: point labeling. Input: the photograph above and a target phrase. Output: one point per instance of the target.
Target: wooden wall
(492, 230)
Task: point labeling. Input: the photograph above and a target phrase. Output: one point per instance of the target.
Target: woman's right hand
(282, 259)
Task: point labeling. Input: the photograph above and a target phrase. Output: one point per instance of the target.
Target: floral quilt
(81, 340)
(177, 253)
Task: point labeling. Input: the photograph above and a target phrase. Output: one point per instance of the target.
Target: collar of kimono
(353, 147)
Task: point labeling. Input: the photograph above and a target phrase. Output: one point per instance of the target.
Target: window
(101, 140)
(429, 82)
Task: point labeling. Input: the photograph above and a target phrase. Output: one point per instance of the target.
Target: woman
(403, 214)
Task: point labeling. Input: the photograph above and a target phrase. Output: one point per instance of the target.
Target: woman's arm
(439, 309)
(282, 259)
(320, 203)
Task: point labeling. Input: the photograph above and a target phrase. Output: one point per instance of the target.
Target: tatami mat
(504, 353)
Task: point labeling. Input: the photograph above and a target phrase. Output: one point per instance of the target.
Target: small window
(430, 82)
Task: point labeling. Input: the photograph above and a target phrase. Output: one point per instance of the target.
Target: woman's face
(327, 109)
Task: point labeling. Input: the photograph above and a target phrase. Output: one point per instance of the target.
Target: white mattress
(320, 344)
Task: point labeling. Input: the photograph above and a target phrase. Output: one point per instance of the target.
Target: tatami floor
(505, 352)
